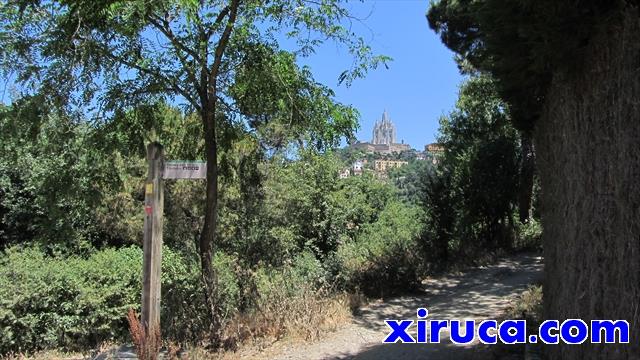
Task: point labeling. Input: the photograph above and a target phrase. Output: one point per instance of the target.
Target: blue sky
(421, 83)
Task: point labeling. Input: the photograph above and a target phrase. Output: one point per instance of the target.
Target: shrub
(529, 234)
(66, 303)
(184, 312)
(384, 259)
(304, 271)
(75, 303)
(293, 300)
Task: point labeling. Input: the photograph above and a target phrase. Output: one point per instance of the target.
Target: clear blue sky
(422, 80)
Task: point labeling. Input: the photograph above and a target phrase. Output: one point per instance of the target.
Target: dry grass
(301, 318)
(527, 306)
(282, 319)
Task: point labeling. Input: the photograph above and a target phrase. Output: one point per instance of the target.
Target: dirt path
(481, 293)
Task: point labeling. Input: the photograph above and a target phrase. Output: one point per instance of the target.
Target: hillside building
(384, 138)
(384, 165)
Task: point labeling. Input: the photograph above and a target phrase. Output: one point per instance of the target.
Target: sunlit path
(482, 293)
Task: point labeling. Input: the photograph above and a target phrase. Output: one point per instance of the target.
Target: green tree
(73, 187)
(564, 68)
(50, 179)
(440, 217)
(477, 176)
(409, 180)
(198, 53)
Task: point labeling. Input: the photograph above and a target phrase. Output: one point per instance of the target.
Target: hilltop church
(384, 138)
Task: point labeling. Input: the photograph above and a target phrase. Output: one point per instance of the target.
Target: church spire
(384, 131)
(385, 116)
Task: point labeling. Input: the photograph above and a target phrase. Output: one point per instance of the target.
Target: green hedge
(75, 303)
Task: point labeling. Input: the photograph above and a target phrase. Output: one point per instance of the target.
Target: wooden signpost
(152, 241)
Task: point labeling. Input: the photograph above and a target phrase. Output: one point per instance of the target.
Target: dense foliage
(287, 229)
(75, 303)
(520, 43)
(471, 197)
(220, 60)
(291, 230)
(569, 72)
(72, 221)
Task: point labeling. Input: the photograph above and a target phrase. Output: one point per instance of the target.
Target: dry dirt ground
(481, 293)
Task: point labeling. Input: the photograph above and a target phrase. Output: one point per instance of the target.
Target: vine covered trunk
(588, 152)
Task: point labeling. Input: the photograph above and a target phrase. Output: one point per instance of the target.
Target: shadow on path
(479, 294)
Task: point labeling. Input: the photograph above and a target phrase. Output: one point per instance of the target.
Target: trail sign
(159, 169)
(182, 169)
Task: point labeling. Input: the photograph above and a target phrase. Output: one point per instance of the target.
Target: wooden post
(152, 245)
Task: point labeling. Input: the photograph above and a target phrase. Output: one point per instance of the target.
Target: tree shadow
(418, 351)
(477, 294)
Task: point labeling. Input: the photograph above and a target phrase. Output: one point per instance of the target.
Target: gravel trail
(480, 293)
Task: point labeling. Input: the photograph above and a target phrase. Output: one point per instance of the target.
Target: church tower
(384, 131)
(384, 138)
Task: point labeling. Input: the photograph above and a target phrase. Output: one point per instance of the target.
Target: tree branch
(157, 75)
(224, 12)
(164, 27)
(222, 44)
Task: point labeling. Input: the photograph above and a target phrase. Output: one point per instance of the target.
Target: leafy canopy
(475, 187)
(133, 49)
(521, 43)
(101, 56)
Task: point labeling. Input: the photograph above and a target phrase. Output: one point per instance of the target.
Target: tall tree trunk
(208, 235)
(209, 101)
(527, 171)
(588, 151)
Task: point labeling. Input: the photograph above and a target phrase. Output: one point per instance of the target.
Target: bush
(66, 303)
(75, 303)
(385, 258)
(529, 234)
(185, 316)
(305, 270)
